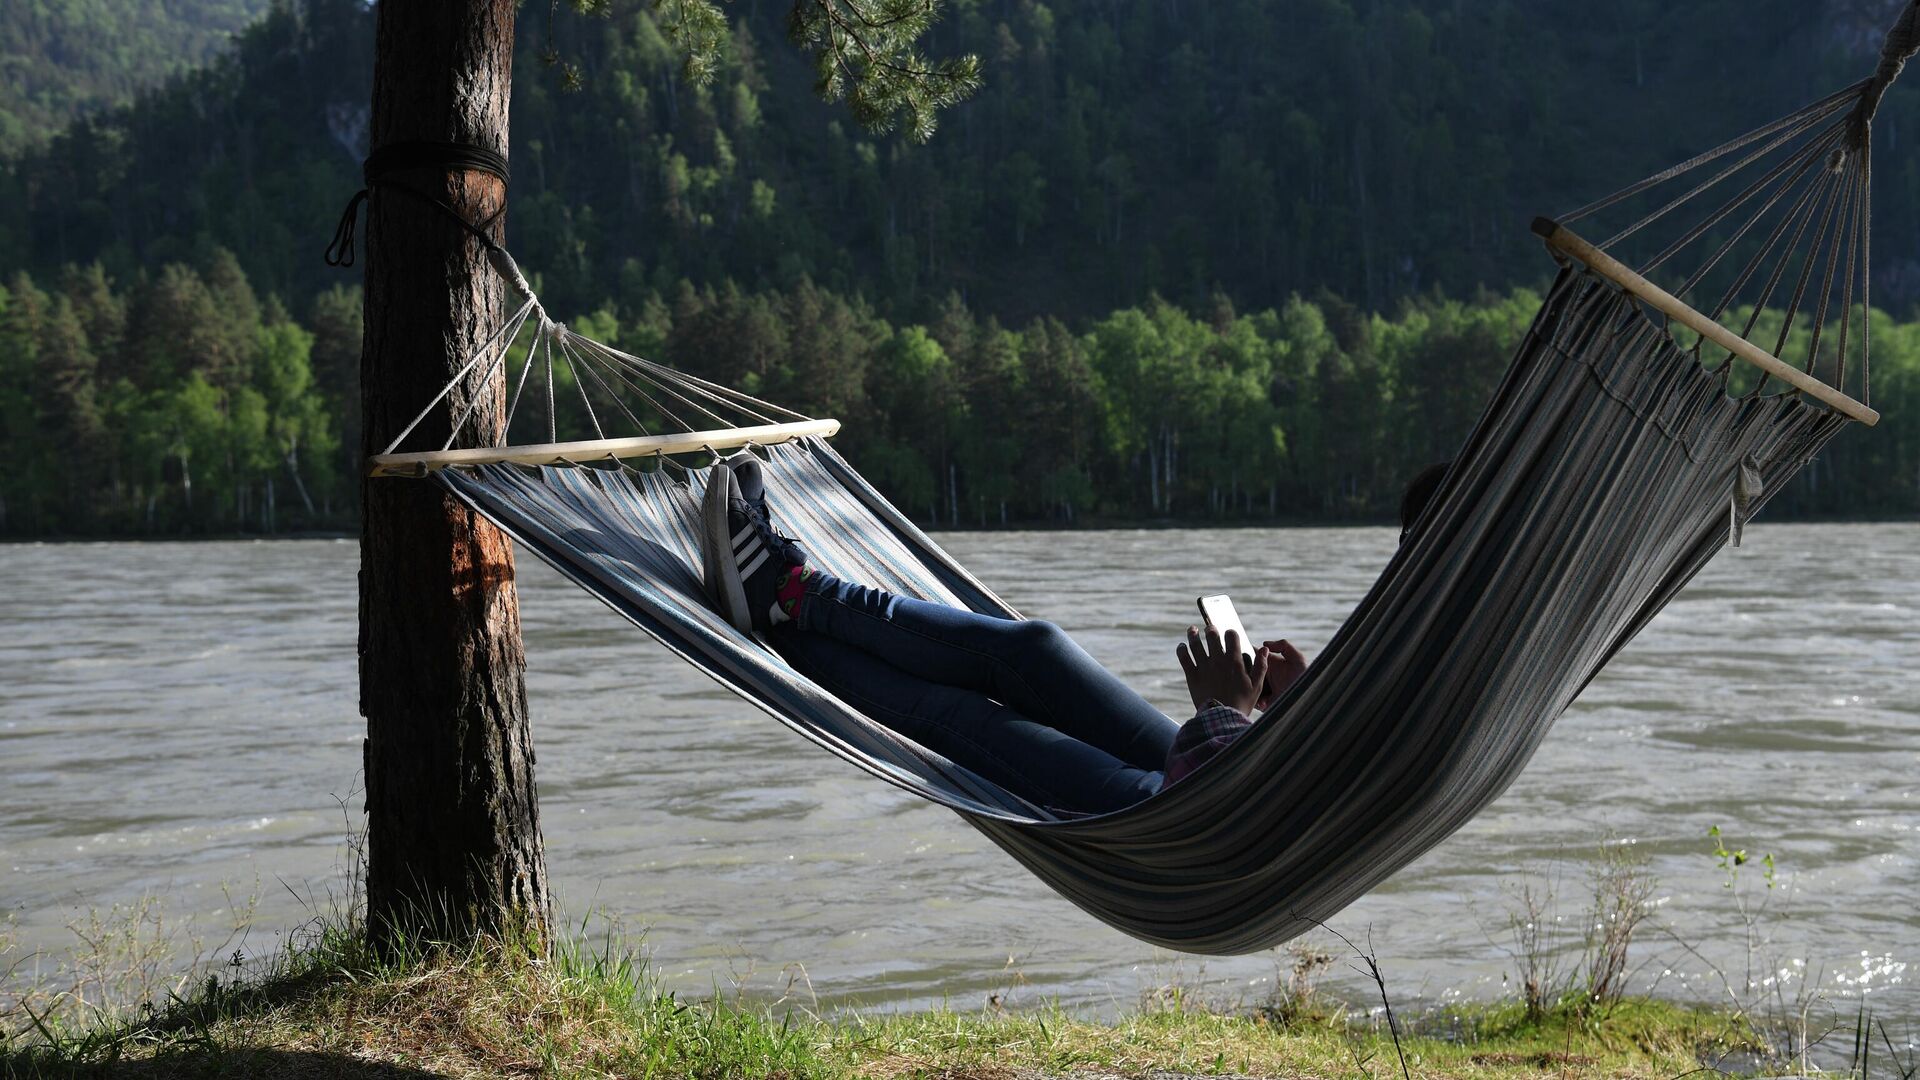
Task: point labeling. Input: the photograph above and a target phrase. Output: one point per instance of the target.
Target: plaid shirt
(1210, 730)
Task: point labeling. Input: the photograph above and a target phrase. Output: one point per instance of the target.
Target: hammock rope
(1611, 464)
(1816, 161)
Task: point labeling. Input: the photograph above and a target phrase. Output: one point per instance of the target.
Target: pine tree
(454, 848)
(174, 328)
(236, 322)
(334, 320)
(22, 321)
(102, 312)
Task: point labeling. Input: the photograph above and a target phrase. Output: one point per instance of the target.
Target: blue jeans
(1017, 702)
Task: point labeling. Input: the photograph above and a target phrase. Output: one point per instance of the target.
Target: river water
(178, 721)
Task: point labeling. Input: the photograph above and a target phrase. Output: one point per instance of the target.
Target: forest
(67, 57)
(1234, 261)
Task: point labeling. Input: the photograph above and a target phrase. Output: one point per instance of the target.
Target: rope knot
(1903, 41)
(401, 156)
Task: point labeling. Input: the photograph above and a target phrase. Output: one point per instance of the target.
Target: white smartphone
(1218, 611)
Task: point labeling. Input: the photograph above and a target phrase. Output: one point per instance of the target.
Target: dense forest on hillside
(1175, 259)
(62, 58)
(1375, 148)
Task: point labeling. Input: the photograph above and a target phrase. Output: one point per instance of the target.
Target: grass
(1653, 1039)
(328, 1007)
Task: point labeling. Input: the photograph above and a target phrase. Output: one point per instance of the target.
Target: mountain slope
(1376, 148)
(60, 58)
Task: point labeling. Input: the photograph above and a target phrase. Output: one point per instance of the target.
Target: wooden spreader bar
(1563, 240)
(686, 442)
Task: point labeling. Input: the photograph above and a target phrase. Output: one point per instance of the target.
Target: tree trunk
(453, 824)
(299, 485)
(1153, 474)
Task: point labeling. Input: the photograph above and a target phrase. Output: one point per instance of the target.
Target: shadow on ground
(189, 1065)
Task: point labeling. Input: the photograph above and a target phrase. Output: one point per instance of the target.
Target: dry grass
(330, 1009)
(327, 1006)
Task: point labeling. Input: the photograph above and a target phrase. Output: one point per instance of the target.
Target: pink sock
(792, 590)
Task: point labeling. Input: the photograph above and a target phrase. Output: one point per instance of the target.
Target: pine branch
(865, 53)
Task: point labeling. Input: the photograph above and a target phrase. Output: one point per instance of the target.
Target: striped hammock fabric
(1604, 474)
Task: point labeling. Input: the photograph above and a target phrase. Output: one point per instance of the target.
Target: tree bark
(453, 827)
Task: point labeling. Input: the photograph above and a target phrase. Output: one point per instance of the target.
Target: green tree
(1060, 411)
(68, 426)
(175, 327)
(23, 317)
(917, 406)
(334, 320)
(299, 430)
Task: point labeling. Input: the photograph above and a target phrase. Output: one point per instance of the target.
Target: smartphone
(1218, 611)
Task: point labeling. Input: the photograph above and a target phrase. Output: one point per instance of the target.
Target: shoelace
(764, 518)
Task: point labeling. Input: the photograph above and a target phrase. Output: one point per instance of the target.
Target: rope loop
(1903, 41)
(416, 154)
(402, 156)
(340, 249)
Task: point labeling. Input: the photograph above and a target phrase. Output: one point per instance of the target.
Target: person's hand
(1287, 666)
(1218, 671)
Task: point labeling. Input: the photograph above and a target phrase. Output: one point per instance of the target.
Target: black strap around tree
(402, 156)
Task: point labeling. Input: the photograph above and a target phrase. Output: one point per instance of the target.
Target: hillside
(62, 58)
(1301, 226)
(1376, 148)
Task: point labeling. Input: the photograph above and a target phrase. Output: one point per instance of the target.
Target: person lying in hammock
(1016, 701)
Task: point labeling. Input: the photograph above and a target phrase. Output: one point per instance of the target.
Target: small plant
(1732, 860)
(1533, 924)
(126, 959)
(1784, 998)
(1623, 890)
(1296, 978)
(1371, 969)
(1549, 974)
(1902, 1058)
(1896, 1061)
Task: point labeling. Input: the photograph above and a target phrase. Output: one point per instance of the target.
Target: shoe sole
(723, 577)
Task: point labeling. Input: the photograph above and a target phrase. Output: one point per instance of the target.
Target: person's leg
(1031, 666)
(1035, 761)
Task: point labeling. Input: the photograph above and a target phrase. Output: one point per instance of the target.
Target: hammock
(1612, 463)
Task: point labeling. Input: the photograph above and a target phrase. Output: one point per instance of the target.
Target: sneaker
(747, 475)
(744, 558)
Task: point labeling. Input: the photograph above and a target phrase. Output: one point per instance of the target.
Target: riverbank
(326, 1007)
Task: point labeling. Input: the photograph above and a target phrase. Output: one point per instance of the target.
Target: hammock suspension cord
(1816, 162)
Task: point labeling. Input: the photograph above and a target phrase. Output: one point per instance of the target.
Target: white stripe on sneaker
(753, 545)
(747, 571)
(745, 531)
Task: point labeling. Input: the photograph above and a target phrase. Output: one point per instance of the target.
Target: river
(178, 721)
